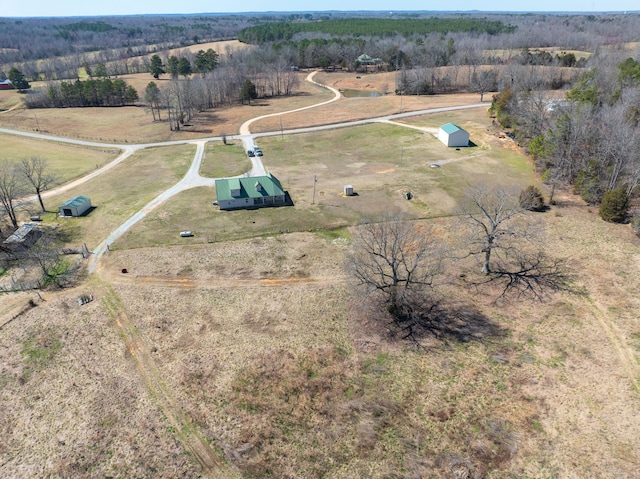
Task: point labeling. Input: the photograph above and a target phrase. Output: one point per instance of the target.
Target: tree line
(125, 44)
(216, 82)
(98, 92)
(590, 138)
(372, 27)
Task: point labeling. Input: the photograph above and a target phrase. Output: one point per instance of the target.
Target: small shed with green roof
(453, 135)
(76, 206)
(249, 192)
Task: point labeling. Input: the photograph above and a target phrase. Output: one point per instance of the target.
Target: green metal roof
(450, 128)
(270, 186)
(75, 202)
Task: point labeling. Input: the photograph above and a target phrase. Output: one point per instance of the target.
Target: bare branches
(529, 276)
(35, 171)
(501, 230)
(11, 188)
(489, 215)
(396, 263)
(394, 256)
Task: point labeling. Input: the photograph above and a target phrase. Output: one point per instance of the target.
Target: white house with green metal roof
(249, 192)
(453, 135)
(76, 206)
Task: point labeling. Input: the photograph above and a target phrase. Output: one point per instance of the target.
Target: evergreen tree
(17, 79)
(614, 205)
(156, 68)
(184, 67)
(172, 66)
(248, 91)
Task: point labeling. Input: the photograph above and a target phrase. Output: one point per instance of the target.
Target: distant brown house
(6, 85)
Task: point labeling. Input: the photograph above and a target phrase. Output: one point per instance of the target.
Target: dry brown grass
(294, 381)
(266, 349)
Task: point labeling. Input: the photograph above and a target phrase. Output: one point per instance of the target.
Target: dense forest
(378, 27)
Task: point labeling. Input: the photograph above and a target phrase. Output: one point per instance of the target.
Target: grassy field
(123, 191)
(221, 160)
(272, 357)
(380, 171)
(66, 161)
(135, 124)
(257, 338)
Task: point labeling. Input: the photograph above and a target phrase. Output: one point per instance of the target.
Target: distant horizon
(290, 12)
(114, 8)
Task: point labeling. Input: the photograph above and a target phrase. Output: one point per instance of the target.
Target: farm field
(123, 191)
(65, 160)
(245, 352)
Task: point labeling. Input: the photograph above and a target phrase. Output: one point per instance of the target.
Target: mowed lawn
(65, 161)
(221, 161)
(381, 161)
(124, 190)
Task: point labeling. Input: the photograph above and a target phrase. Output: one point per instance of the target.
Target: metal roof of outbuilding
(20, 234)
(450, 128)
(75, 202)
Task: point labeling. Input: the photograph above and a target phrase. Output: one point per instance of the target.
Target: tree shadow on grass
(457, 323)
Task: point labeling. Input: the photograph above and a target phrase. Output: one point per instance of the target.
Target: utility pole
(315, 180)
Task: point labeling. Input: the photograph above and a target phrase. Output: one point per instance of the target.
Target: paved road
(192, 178)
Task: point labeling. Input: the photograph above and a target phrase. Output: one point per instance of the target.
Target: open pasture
(65, 160)
(381, 161)
(123, 190)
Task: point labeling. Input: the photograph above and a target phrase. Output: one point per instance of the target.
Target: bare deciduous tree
(499, 229)
(489, 213)
(11, 188)
(396, 261)
(35, 171)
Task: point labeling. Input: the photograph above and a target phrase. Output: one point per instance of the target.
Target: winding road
(192, 178)
(212, 464)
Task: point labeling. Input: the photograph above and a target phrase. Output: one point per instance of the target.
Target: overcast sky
(65, 8)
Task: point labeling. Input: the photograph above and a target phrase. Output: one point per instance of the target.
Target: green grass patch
(65, 161)
(334, 233)
(59, 270)
(125, 189)
(39, 350)
(221, 161)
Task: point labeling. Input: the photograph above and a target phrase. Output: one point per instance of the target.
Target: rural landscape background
(469, 312)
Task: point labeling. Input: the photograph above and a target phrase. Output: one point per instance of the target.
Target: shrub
(614, 205)
(531, 199)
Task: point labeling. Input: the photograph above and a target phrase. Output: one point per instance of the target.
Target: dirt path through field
(625, 354)
(219, 283)
(185, 430)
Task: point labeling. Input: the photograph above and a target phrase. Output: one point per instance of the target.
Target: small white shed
(453, 135)
(76, 206)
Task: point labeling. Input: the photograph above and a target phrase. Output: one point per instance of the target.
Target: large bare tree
(395, 262)
(510, 245)
(489, 213)
(35, 170)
